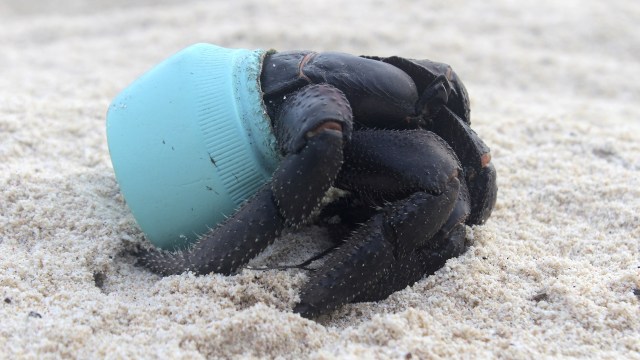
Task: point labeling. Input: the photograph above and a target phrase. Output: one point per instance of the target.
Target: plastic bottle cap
(190, 140)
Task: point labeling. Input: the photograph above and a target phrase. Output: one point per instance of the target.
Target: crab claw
(480, 173)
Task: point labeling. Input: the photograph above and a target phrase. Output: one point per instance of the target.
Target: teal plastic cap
(190, 140)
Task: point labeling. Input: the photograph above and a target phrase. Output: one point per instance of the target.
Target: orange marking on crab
(326, 126)
(485, 159)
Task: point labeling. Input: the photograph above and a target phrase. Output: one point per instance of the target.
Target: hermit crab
(394, 135)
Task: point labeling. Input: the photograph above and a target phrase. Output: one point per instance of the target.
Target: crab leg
(312, 130)
(405, 240)
(228, 246)
(385, 246)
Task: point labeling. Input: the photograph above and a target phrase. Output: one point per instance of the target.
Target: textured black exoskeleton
(395, 135)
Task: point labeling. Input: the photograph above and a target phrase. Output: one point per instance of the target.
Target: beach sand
(554, 272)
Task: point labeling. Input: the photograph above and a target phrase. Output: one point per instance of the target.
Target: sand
(554, 272)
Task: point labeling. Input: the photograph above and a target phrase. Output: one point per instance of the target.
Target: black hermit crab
(394, 134)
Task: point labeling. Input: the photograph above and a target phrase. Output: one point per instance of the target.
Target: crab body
(395, 134)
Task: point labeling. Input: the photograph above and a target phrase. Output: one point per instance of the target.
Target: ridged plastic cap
(190, 140)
